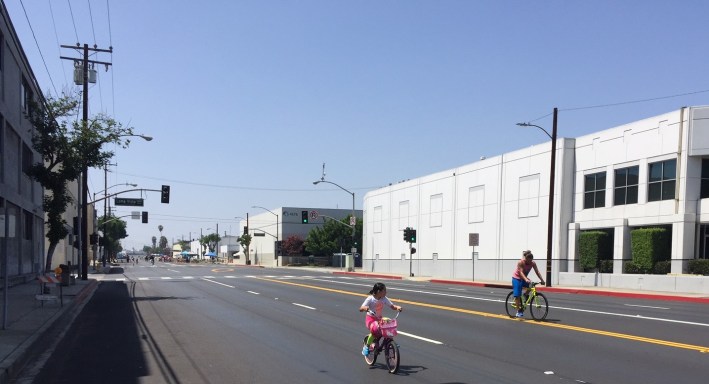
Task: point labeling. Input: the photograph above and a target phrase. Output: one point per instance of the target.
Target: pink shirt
(526, 267)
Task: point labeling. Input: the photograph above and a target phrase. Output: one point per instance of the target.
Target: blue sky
(246, 99)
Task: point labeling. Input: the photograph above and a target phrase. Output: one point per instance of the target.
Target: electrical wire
(634, 101)
(38, 49)
(91, 17)
(56, 36)
(71, 12)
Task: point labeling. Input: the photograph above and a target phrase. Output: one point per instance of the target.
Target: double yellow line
(698, 348)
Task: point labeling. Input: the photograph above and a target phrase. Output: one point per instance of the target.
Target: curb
(48, 334)
(365, 274)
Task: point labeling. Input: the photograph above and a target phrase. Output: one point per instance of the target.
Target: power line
(38, 49)
(634, 101)
(241, 187)
(76, 33)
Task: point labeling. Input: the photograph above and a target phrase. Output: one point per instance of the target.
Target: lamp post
(103, 255)
(354, 220)
(83, 212)
(550, 220)
(276, 250)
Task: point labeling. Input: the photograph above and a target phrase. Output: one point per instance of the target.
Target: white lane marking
(253, 293)
(172, 270)
(216, 282)
(304, 306)
(393, 288)
(188, 277)
(208, 277)
(457, 289)
(644, 306)
(143, 278)
(230, 277)
(419, 337)
(166, 278)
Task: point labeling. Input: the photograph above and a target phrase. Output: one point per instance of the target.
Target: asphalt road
(183, 323)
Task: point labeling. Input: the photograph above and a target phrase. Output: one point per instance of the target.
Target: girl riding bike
(374, 305)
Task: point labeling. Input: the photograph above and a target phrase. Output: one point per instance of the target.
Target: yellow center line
(697, 348)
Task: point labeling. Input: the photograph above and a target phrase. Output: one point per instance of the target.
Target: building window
(661, 182)
(626, 186)
(29, 225)
(26, 95)
(704, 192)
(476, 204)
(594, 191)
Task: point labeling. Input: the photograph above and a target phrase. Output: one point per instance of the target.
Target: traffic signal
(412, 235)
(165, 196)
(406, 234)
(304, 217)
(145, 217)
(246, 230)
(413, 250)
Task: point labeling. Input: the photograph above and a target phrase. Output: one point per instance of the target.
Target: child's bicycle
(385, 343)
(536, 301)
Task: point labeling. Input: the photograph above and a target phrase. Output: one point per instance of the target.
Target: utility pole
(84, 189)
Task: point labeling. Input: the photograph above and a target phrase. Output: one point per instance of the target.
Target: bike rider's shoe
(365, 351)
(520, 314)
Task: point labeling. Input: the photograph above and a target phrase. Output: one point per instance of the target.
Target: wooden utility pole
(83, 187)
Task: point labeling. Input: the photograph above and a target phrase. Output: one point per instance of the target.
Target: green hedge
(595, 250)
(648, 247)
(699, 267)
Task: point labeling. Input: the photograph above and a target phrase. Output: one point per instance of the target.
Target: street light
(550, 220)
(322, 180)
(276, 249)
(103, 255)
(84, 195)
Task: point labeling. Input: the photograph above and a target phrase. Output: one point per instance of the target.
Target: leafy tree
(184, 245)
(67, 145)
(163, 242)
(209, 242)
(293, 246)
(154, 242)
(333, 236)
(245, 241)
(113, 231)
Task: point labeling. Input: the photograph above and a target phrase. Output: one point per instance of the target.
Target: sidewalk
(30, 326)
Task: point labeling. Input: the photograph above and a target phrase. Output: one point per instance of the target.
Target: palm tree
(154, 243)
(160, 228)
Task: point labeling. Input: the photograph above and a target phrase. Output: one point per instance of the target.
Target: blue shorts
(517, 285)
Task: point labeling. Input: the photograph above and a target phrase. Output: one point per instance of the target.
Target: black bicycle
(386, 344)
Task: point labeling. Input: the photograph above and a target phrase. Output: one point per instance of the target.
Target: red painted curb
(364, 274)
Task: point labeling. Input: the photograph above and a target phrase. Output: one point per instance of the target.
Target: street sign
(259, 234)
(313, 215)
(126, 201)
(474, 239)
(135, 215)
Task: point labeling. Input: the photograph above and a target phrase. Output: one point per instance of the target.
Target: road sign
(259, 234)
(128, 201)
(313, 215)
(474, 239)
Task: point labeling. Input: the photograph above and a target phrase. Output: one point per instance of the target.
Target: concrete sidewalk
(31, 325)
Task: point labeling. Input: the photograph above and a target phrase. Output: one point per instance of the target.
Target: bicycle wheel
(372, 357)
(391, 352)
(510, 305)
(539, 307)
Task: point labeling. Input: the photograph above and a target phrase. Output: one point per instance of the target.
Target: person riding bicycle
(520, 279)
(374, 305)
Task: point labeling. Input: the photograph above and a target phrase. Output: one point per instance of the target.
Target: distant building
(653, 172)
(22, 241)
(282, 223)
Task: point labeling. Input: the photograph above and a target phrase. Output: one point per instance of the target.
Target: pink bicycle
(386, 344)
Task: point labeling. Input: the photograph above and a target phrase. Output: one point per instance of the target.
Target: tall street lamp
(276, 248)
(105, 200)
(550, 221)
(83, 212)
(353, 219)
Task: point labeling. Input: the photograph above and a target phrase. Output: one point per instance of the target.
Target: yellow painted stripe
(697, 348)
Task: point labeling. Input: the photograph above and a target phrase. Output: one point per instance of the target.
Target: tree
(114, 230)
(293, 246)
(163, 243)
(245, 241)
(160, 228)
(332, 237)
(154, 242)
(209, 242)
(67, 145)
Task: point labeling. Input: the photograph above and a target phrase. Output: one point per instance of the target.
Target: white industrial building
(646, 173)
(280, 224)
